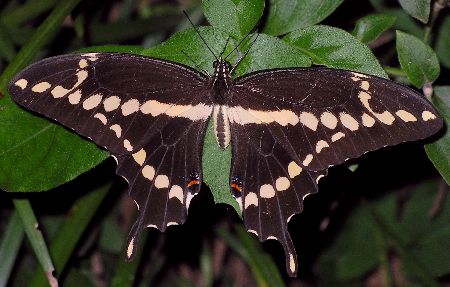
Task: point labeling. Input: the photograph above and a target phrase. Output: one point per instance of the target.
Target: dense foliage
(65, 216)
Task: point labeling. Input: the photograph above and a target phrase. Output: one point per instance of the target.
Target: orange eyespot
(235, 186)
(193, 182)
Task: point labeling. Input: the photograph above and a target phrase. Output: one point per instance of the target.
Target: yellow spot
(176, 192)
(348, 121)
(359, 75)
(329, 120)
(130, 107)
(75, 97)
(427, 115)
(406, 116)
(194, 113)
(117, 130)
(41, 87)
(162, 181)
(292, 264)
(365, 85)
(140, 156)
(321, 145)
(59, 91)
(282, 183)
(252, 231)
(307, 160)
(367, 120)
(267, 191)
(130, 248)
(101, 117)
(385, 117)
(337, 136)
(172, 223)
(271, 237)
(251, 199)
(82, 64)
(111, 103)
(91, 56)
(127, 145)
(148, 172)
(309, 120)
(92, 102)
(22, 83)
(294, 169)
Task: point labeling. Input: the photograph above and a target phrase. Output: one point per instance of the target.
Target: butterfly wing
(290, 125)
(117, 100)
(150, 114)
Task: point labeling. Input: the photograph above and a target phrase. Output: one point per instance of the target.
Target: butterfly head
(222, 69)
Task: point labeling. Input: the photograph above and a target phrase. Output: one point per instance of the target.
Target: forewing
(117, 100)
(323, 117)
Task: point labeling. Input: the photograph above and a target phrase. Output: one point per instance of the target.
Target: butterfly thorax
(221, 83)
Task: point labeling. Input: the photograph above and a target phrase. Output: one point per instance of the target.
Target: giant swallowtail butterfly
(286, 127)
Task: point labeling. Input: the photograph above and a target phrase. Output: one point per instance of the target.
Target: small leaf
(439, 151)
(443, 43)
(237, 18)
(419, 9)
(417, 59)
(405, 23)
(288, 15)
(371, 27)
(335, 48)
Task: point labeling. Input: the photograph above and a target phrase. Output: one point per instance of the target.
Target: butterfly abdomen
(221, 126)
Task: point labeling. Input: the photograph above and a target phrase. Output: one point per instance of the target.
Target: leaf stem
(437, 7)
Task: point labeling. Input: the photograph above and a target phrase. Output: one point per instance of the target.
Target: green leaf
(404, 22)
(335, 48)
(443, 43)
(249, 249)
(10, 243)
(288, 15)
(357, 249)
(270, 52)
(216, 165)
(371, 27)
(73, 227)
(39, 155)
(417, 59)
(234, 17)
(439, 151)
(419, 9)
(34, 235)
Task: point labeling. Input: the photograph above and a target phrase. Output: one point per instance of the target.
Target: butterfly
(286, 127)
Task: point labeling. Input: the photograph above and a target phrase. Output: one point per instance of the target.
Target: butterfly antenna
(200, 35)
(240, 60)
(226, 44)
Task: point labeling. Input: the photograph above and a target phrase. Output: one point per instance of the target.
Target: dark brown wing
(288, 126)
